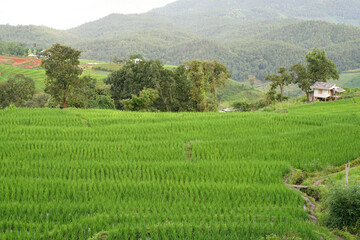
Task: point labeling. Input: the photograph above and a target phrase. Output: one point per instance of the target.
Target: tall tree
(62, 68)
(206, 77)
(282, 80)
(320, 67)
(301, 77)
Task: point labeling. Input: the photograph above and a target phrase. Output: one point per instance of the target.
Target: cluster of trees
(137, 86)
(13, 49)
(64, 84)
(318, 69)
(148, 86)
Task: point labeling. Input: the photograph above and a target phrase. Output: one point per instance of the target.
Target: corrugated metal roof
(339, 90)
(323, 85)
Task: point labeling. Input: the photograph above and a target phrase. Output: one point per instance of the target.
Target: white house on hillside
(325, 91)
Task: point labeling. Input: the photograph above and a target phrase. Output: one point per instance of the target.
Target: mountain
(250, 36)
(41, 35)
(337, 11)
(118, 25)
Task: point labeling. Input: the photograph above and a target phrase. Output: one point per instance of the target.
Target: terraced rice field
(38, 75)
(77, 174)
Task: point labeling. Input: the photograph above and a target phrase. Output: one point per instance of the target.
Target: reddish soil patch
(21, 62)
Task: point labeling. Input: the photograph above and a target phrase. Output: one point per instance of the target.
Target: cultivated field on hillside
(12, 66)
(349, 79)
(20, 61)
(74, 174)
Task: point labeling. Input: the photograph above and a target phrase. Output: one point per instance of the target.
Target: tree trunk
(307, 97)
(163, 98)
(64, 102)
(281, 88)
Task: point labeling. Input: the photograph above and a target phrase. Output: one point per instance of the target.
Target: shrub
(38, 101)
(344, 207)
(242, 106)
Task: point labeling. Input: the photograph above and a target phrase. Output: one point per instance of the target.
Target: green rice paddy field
(38, 75)
(81, 174)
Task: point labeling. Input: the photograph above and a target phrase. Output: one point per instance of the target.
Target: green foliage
(62, 69)
(320, 68)
(242, 106)
(301, 77)
(297, 177)
(143, 102)
(344, 208)
(275, 237)
(16, 91)
(13, 49)
(190, 87)
(38, 101)
(257, 47)
(104, 102)
(282, 80)
(133, 78)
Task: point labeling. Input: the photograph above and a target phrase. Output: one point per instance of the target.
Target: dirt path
(309, 203)
(317, 182)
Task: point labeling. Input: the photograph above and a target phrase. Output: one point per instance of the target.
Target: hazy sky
(64, 14)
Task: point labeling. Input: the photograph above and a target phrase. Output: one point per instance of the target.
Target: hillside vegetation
(74, 174)
(249, 37)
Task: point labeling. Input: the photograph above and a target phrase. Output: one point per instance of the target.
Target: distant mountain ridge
(250, 36)
(340, 11)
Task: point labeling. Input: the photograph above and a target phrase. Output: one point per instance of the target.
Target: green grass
(234, 91)
(170, 67)
(38, 75)
(73, 174)
(349, 79)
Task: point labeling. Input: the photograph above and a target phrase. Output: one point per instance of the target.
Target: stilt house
(325, 91)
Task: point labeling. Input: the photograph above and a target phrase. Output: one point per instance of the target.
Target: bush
(102, 102)
(344, 207)
(242, 106)
(38, 101)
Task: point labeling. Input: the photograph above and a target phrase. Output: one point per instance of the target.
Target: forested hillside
(249, 37)
(344, 11)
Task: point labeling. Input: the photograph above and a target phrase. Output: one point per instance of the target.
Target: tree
(62, 68)
(117, 60)
(217, 75)
(205, 77)
(319, 67)
(17, 90)
(133, 78)
(143, 102)
(270, 96)
(302, 78)
(252, 80)
(282, 80)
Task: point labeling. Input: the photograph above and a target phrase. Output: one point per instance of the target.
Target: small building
(137, 60)
(325, 91)
(31, 55)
